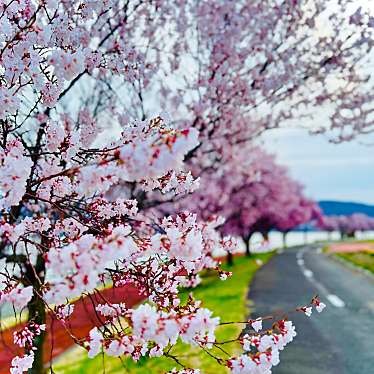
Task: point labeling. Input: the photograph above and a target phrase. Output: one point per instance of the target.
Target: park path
(82, 321)
(351, 247)
(338, 341)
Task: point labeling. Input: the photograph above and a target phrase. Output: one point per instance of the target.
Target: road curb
(350, 265)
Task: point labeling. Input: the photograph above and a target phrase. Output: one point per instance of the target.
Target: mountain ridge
(333, 207)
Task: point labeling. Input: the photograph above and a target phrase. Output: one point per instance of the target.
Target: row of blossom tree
(78, 171)
(253, 194)
(347, 225)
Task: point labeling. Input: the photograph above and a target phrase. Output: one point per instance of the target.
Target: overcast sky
(329, 171)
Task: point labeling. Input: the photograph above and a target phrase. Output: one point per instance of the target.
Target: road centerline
(333, 299)
(336, 301)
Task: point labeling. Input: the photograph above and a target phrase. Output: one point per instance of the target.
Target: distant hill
(345, 208)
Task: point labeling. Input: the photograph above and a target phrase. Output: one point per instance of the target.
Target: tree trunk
(265, 235)
(230, 259)
(247, 247)
(37, 313)
(284, 237)
(247, 243)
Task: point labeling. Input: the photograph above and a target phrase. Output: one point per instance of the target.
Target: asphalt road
(340, 340)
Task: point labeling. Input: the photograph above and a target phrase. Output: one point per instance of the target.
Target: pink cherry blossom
(320, 307)
(95, 341)
(25, 337)
(257, 325)
(14, 172)
(21, 364)
(17, 296)
(95, 187)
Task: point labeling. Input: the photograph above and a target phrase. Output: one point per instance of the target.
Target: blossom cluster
(14, 172)
(154, 330)
(16, 296)
(25, 337)
(22, 364)
(266, 347)
(79, 175)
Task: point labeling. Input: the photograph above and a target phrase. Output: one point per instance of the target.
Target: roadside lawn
(364, 259)
(226, 299)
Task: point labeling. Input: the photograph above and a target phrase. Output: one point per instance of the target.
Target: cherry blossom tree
(61, 237)
(299, 212)
(230, 69)
(253, 194)
(278, 203)
(263, 199)
(347, 225)
(235, 68)
(76, 167)
(329, 224)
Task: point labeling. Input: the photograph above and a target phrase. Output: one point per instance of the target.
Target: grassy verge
(362, 259)
(226, 299)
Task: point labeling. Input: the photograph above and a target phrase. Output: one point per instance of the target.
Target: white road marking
(308, 273)
(336, 301)
(333, 299)
(370, 305)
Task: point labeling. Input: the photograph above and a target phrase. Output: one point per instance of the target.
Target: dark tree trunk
(230, 259)
(247, 243)
(265, 235)
(38, 315)
(247, 248)
(37, 312)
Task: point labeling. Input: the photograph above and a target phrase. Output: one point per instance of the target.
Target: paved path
(82, 321)
(338, 341)
(351, 247)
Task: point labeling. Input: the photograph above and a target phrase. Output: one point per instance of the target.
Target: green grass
(366, 241)
(362, 259)
(226, 299)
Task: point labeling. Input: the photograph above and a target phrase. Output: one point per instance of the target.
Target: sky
(343, 172)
